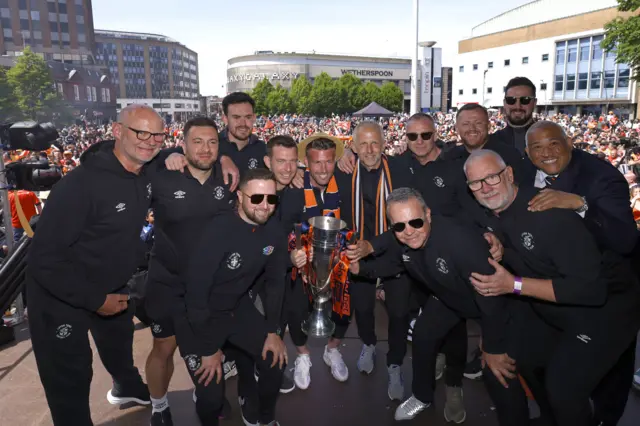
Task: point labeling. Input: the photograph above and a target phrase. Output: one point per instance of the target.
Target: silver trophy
(326, 254)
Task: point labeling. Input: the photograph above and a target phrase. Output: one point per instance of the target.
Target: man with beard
(596, 191)
(86, 249)
(220, 311)
(236, 140)
(580, 313)
(519, 103)
(428, 247)
(183, 204)
(321, 196)
(472, 125)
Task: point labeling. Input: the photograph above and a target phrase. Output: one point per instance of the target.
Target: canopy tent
(373, 110)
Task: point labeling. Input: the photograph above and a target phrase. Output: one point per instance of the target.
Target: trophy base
(318, 325)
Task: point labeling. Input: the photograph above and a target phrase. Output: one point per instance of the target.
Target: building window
(595, 80)
(103, 95)
(474, 91)
(475, 67)
(596, 49)
(584, 49)
(609, 79)
(60, 89)
(583, 80)
(571, 82)
(545, 57)
(560, 51)
(572, 51)
(507, 62)
(461, 69)
(460, 92)
(543, 86)
(490, 65)
(623, 78)
(525, 60)
(89, 93)
(489, 89)
(76, 92)
(94, 94)
(559, 82)
(108, 95)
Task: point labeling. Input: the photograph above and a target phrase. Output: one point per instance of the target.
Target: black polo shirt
(182, 207)
(249, 157)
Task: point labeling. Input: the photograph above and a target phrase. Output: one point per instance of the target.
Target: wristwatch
(517, 285)
(584, 207)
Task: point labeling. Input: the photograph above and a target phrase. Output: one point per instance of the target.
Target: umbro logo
(179, 195)
(121, 207)
(584, 338)
(406, 258)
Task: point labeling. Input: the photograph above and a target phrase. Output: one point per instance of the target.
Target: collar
(224, 137)
(540, 179)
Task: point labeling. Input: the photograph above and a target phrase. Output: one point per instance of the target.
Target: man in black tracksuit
(183, 204)
(236, 141)
(580, 313)
(428, 247)
(575, 180)
(220, 311)
(82, 256)
(519, 104)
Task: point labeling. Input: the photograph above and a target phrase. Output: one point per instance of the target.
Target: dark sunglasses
(414, 223)
(414, 136)
(258, 198)
(524, 100)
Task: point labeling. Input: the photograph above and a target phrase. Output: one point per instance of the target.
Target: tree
(371, 93)
(9, 110)
(351, 84)
(623, 36)
(300, 91)
(260, 94)
(391, 97)
(33, 86)
(279, 101)
(327, 97)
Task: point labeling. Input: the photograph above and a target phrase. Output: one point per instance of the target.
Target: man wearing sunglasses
(183, 204)
(580, 315)
(86, 248)
(219, 278)
(428, 248)
(574, 180)
(519, 104)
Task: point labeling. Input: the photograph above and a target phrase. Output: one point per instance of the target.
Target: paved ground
(362, 400)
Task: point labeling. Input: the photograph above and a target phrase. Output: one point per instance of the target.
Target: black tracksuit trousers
(398, 291)
(59, 334)
(565, 368)
(246, 331)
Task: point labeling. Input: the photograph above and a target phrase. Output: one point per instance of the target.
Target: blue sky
(219, 30)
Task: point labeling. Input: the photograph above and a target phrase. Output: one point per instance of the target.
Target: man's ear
(267, 162)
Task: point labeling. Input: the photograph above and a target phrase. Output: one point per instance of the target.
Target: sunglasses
(425, 136)
(414, 223)
(524, 100)
(258, 198)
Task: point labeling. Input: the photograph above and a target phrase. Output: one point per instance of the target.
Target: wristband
(517, 285)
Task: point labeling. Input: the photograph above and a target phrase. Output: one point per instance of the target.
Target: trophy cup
(325, 233)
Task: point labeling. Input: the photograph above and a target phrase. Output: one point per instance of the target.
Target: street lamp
(484, 81)
(414, 61)
(545, 96)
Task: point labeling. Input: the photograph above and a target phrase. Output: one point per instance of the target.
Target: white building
(554, 44)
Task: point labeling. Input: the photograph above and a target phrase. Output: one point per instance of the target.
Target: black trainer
(473, 369)
(138, 393)
(249, 411)
(287, 385)
(162, 418)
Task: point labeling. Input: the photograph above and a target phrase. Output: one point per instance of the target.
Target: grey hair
(402, 195)
(483, 153)
(371, 125)
(542, 125)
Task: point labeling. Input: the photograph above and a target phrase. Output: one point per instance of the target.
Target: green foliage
(623, 35)
(279, 101)
(33, 87)
(9, 110)
(352, 85)
(391, 97)
(327, 97)
(300, 91)
(260, 94)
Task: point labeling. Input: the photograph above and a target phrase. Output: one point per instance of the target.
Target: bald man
(84, 252)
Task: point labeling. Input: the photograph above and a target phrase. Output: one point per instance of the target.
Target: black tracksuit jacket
(88, 240)
(445, 263)
(231, 256)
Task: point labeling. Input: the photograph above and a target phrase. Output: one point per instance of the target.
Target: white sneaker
(410, 408)
(333, 359)
(302, 375)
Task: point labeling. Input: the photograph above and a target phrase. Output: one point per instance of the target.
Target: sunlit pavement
(362, 400)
